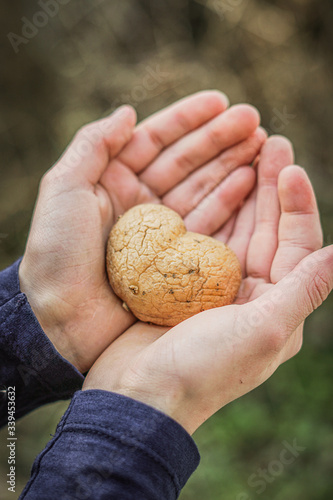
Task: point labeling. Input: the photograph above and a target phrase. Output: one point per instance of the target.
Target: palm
(271, 233)
(187, 148)
(277, 226)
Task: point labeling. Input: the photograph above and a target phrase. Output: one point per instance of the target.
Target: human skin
(194, 156)
(207, 361)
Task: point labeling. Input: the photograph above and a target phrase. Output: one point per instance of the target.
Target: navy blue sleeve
(108, 446)
(28, 360)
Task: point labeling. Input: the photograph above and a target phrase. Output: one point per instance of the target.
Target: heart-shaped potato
(165, 274)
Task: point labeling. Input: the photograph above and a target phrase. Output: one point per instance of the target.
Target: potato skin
(165, 274)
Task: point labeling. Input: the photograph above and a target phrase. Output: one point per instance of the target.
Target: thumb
(292, 299)
(94, 145)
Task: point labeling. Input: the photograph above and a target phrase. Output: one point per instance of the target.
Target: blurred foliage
(94, 55)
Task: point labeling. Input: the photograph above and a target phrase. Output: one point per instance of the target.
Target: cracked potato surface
(165, 274)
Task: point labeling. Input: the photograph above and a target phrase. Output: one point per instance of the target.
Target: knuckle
(84, 130)
(52, 179)
(182, 121)
(47, 179)
(89, 137)
(316, 242)
(156, 139)
(318, 290)
(184, 163)
(214, 136)
(79, 135)
(84, 133)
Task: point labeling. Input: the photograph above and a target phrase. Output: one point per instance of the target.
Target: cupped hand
(176, 157)
(197, 367)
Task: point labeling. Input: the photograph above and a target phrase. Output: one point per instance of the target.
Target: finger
(220, 204)
(169, 125)
(243, 229)
(200, 146)
(223, 234)
(300, 231)
(276, 154)
(256, 160)
(86, 158)
(124, 188)
(288, 303)
(189, 193)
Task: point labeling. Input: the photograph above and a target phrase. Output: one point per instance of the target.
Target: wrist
(44, 305)
(173, 404)
(169, 400)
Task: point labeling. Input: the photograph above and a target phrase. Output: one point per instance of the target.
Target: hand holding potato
(195, 368)
(179, 156)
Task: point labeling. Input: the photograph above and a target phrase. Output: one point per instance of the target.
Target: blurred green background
(92, 56)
